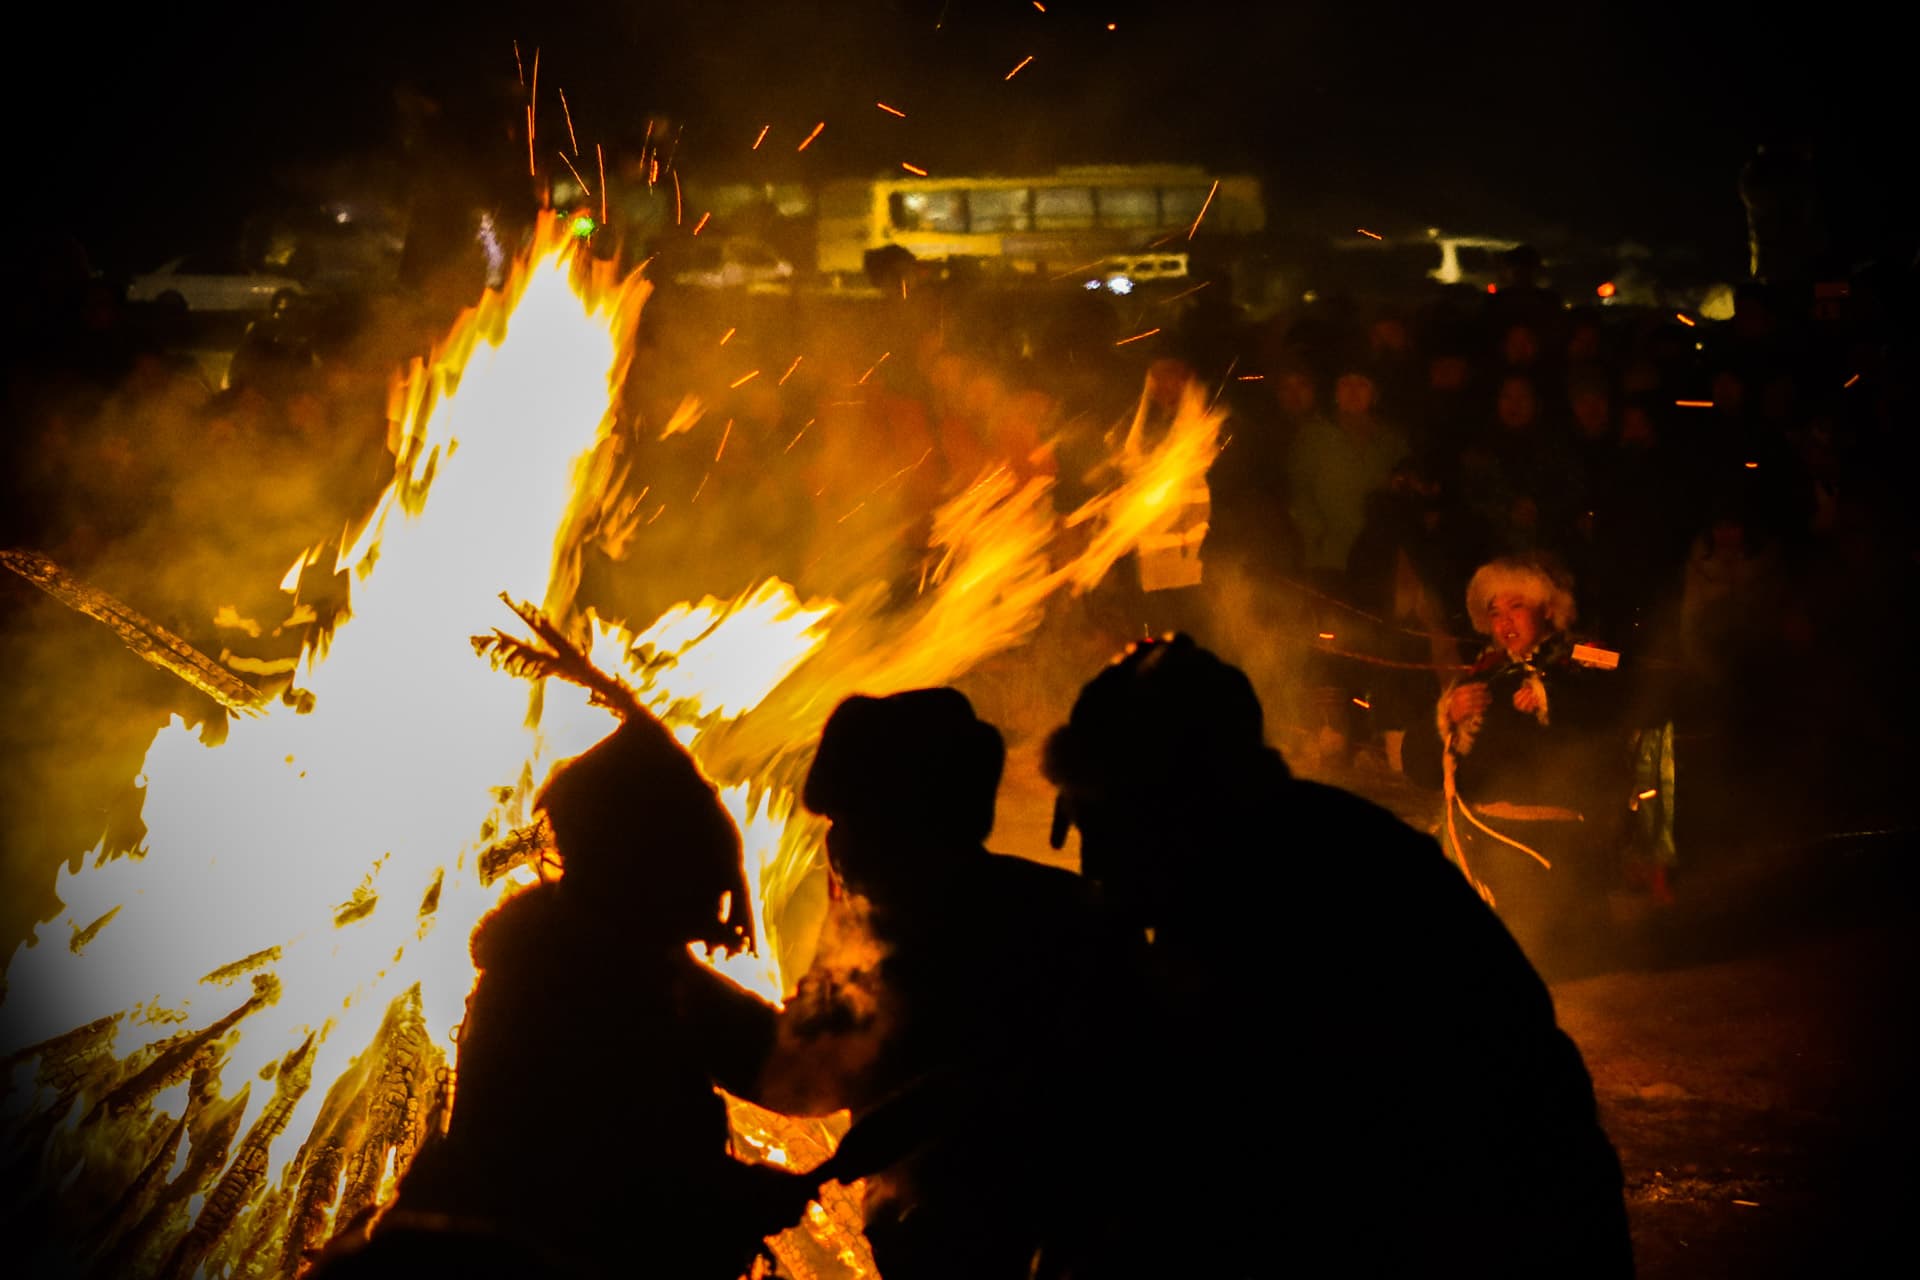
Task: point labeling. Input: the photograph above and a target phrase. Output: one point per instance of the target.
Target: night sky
(1610, 122)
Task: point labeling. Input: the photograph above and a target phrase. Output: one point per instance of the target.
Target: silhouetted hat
(1165, 709)
(921, 760)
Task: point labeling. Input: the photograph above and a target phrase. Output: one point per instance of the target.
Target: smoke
(837, 1022)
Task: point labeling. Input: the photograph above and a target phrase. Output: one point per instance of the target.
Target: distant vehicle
(724, 263)
(1071, 218)
(211, 283)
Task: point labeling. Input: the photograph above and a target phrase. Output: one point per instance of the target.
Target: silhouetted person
(1361, 1073)
(585, 1137)
(975, 990)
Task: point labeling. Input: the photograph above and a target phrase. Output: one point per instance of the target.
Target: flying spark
(728, 334)
(1204, 206)
(743, 380)
(810, 137)
(761, 138)
(1693, 404)
(802, 431)
(565, 111)
(1136, 337)
(676, 197)
(725, 436)
(892, 111)
(789, 373)
(1251, 377)
(575, 172)
(914, 169)
(600, 156)
(698, 226)
(533, 95)
(518, 70)
(531, 171)
(1849, 382)
(1683, 319)
(1371, 235)
(1023, 62)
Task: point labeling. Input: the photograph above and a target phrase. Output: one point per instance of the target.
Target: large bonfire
(231, 1045)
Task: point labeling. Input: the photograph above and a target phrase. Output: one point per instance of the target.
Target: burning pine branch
(561, 659)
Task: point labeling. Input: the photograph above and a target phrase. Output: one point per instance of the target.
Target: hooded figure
(585, 1132)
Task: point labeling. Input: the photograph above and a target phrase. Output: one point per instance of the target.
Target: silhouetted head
(644, 838)
(906, 780)
(1161, 748)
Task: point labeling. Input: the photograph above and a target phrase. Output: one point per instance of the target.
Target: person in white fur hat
(1534, 766)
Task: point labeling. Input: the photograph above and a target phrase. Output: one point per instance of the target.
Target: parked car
(211, 283)
(725, 263)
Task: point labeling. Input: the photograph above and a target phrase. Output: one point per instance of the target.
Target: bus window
(929, 210)
(1128, 207)
(1000, 210)
(1179, 206)
(1063, 208)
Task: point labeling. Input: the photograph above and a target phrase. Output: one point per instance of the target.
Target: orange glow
(1493, 288)
(892, 111)
(1371, 235)
(808, 140)
(761, 138)
(1016, 70)
(1326, 635)
(1136, 337)
(700, 226)
(1204, 206)
(1110, 26)
(1606, 290)
(1753, 466)
(914, 169)
(1684, 319)
(506, 442)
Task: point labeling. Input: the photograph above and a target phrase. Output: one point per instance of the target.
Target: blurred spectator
(1334, 466)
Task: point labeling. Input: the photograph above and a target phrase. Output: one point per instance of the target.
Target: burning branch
(149, 640)
(562, 659)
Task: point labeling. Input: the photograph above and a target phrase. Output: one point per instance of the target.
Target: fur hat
(1536, 579)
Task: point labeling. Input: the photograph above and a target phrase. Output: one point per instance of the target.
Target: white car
(727, 264)
(205, 282)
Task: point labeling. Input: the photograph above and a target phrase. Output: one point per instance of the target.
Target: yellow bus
(1055, 221)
